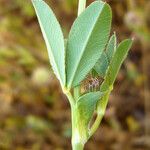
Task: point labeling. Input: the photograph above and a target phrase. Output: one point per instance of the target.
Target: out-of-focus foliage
(34, 114)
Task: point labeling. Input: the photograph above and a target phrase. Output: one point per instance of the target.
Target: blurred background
(35, 115)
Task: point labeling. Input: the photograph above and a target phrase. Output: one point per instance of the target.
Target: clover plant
(86, 63)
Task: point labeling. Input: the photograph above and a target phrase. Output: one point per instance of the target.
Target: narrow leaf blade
(112, 72)
(102, 65)
(111, 47)
(116, 63)
(105, 59)
(87, 40)
(53, 37)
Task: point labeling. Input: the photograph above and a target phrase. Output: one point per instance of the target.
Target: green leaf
(87, 40)
(102, 65)
(86, 106)
(111, 47)
(111, 74)
(53, 37)
(104, 61)
(116, 63)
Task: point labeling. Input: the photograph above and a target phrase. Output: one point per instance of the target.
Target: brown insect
(92, 84)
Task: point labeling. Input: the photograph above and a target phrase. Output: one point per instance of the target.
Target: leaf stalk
(81, 6)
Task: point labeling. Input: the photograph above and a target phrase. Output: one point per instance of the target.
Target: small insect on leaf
(92, 84)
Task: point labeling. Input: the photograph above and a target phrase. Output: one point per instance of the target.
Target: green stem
(96, 124)
(81, 6)
(76, 92)
(77, 140)
(70, 98)
(78, 146)
(101, 108)
(76, 137)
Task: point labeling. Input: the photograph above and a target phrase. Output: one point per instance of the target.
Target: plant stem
(70, 98)
(76, 92)
(81, 6)
(96, 124)
(101, 108)
(77, 140)
(78, 146)
(76, 137)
